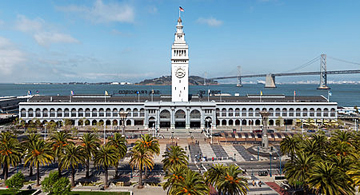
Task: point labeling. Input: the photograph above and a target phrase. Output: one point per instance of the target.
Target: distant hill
(166, 80)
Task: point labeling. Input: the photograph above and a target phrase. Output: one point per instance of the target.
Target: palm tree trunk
(145, 175)
(87, 166)
(5, 171)
(59, 166)
(140, 178)
(72, 177)
(106, 176)
(37, 174)
(116, 169)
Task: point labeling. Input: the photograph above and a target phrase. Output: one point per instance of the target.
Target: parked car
(270, 131)
(311, 131)
(263, 173)
(216, 134)
(257, 131)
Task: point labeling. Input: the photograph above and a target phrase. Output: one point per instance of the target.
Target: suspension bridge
(270, 77)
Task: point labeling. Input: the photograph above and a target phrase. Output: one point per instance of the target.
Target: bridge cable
(304, 65)
(337, 59)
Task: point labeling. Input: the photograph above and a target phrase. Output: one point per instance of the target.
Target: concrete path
(207, 151)
(230, 150)
(158, 158)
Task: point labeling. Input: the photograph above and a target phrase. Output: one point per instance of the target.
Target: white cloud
(10, 56)
(27, 25)
(210, 21)
(103, 13)
(43, 34)
(47, 38)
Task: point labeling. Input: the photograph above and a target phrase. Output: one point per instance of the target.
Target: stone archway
(165, 119)
(195, 119)
(180, 119)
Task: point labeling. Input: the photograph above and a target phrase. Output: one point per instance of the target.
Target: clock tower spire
(180, 66)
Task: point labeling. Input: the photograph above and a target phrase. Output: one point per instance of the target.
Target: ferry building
(178, 110)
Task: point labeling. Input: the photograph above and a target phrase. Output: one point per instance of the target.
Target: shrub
(15, 182)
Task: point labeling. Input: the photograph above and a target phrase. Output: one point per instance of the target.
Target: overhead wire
(303, 65)
(337, 59)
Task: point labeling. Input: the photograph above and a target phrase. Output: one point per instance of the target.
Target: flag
(72, 92)
(261, 93)
(294, 93)
(330, 94)
(37, 91)
(29, 92)
(106, 93)
(181, 9)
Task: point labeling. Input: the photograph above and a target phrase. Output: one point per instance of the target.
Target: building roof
(167, 98)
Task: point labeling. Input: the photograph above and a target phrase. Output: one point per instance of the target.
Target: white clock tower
(180, 66)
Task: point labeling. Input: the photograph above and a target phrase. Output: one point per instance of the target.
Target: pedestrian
(259, 183)
(253, 183)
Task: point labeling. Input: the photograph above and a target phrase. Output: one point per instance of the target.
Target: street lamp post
(270, 163)
(123, 116)
(280, 161)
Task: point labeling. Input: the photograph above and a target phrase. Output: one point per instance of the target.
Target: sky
(109, 40)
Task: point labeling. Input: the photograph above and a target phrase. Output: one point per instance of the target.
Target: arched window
(251, 112)
(332, 112)
(94, 113)
(223, 112)
(195, 114)
(73, 112)
(101, 112)
(87, 113)
(81, 112)
(277, 112)
(318, 112)
(135, 112)
(180, 114)
(115, 112)
(326, 112)
(52, 112)
(165, 114)
(271, 111)
(257, 112)
(142, 112)
(45, 113)
(305, 112)
(59, 112)
(66, 112)
(217, 112)
(312, 112)
(31, 113)
(237, 112)
(284, 112)
(23, 112)
(231, 112)
(108, 114)
(128, 112)
(243, 112)
(291, 112)
(37, 113)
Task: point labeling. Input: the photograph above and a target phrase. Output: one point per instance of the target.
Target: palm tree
(289, 146)
(72, 157)
(354, 173)
(28, 145)
(10, 152)
(40, 153)
(214, 174)
(105, 157)
(59, 141)
(175, 156)
(231, 183)
(119, 143)
(90, 143)
(299, 169)
(141, 159)
(174, 174)
(327, 179)
(148, 143)
(193, 184)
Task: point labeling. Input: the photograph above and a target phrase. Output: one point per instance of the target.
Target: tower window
(175, 88)
(179, 81)
(184, 88)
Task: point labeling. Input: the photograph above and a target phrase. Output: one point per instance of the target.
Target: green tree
(299, 169)
(28, 145)
(193, 184)
(71, 158)
(148, 143)
(105, 157)
(289, 146)
(215, 174)
(141, 158)
(173, 175)
(53, 184)
(119, 143)
(10, 152)
(354, 173)
(325, 178)
(175, 156)
(90, 143)
(51, 126)
(231, 182)
(15, 182)
(59, 141)
(40, 153)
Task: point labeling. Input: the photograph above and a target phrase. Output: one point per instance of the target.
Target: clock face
(180, 73)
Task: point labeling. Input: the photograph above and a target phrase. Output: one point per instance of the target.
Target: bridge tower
(239, 84)
(205, 75)
(323, 76)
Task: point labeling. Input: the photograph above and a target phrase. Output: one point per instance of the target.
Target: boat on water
(261, 82)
